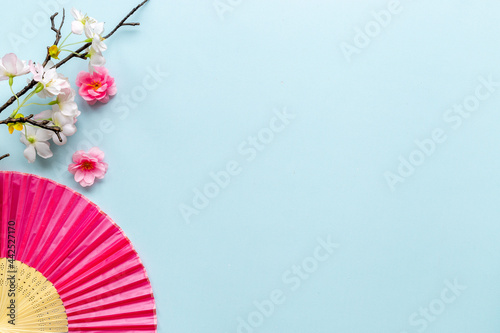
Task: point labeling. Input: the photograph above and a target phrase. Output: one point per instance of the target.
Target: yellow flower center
(86, 19)
(95, 85)
(54, 51)
(87, 166)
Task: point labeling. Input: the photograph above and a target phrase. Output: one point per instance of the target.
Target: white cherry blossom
(35, 140)
(77, 26)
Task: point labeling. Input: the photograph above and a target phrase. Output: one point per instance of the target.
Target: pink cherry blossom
(96, 86)
(11, 66)
(88, 166)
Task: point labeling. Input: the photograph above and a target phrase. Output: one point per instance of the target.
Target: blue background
(322, 176)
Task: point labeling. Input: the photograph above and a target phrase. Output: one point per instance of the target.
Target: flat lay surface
(294, 166)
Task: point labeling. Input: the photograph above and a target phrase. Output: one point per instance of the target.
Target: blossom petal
(78, 156)
(56, 139)
(43, 134)
(77, 27)
(47, 114)
(9, 62)
(30, 153)
(89, 178)
(97, 153)
(79, 175)
(24, 140)
(112, 90)
(69, 129)
(104, 99)
(43, 149)
(73, 168)
(76, 14)
(83, 77)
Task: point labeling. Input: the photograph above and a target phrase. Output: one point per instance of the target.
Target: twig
(33, 83)
(4, 156)
(42, 124)
(57, 31)
(85, 46)
(11, 100)
(122, 22)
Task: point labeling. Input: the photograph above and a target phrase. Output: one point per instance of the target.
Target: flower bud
(54, 51)
(39, 87)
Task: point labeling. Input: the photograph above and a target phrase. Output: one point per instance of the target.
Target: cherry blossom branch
(78, 54)
(4, 156)
(42, 124)
(33, 83)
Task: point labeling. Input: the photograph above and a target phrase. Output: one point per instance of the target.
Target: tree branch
(122, 22)
(4, 156)
(33, 83)
(58, 34)
(42, 124)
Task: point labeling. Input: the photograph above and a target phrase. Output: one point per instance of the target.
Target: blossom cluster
(93, 30)
(61, 109)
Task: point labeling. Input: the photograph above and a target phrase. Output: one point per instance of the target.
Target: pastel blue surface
(415, 249)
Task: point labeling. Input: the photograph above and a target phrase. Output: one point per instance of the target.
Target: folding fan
(65, 266)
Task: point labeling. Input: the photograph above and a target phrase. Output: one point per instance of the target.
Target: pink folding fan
(65, 266)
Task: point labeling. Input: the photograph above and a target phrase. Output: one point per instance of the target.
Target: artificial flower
(94, 32)
(35, 140)
(53, 82)
(88, 166)
(96, 86)
(38, 70)
(77, 26)
(66, 124)
(11, 66)
(65, 103)
(96, 59)
(15, 126)
(54, 52)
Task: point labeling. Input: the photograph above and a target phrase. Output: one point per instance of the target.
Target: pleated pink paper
(81, 251)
